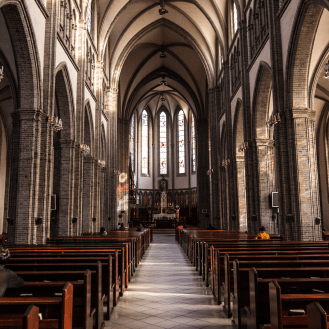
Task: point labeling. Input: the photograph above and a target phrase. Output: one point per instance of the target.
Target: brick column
(264, 157)
(87, 209)
(306, 203)
(111, 110)
(65, 195)
(23, 187)
(241, 216)
(203, 166)
(213, 159)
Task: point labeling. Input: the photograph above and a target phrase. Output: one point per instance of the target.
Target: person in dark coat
(8, 278)
(140, 228)
(122, 227)
(102, 231)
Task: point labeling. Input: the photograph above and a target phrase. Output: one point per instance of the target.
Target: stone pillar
(264, 157)
(78, 190)
(306, 203)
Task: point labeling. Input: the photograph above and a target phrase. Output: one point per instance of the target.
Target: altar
(164, 220)
(163, 216)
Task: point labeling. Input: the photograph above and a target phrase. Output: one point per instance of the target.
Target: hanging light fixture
(55, 122)
(163, 82)
(1, 73)
(326, 70)
(162, 99)
(163, 55)
(84, 149)
(162, 10)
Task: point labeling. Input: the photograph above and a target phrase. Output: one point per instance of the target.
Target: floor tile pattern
(167, 292)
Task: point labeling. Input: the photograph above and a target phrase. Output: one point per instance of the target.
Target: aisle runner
(166, 292)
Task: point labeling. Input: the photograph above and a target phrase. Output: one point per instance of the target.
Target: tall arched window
(132, 143)
(163, 144)
(145, 143)
(181, 142)
(193, 144)
(234, 18)
(89, 17)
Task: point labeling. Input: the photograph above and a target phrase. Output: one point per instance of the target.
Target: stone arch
(174, 27)
(8, 167)
(263, 150)
(225, 206)
(88, 172)
(239, 169)
(300, 52)
(26, 54)
(261, 97)
(322, 142)
(103, 189)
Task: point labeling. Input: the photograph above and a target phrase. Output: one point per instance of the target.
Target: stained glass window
(89, 19)
(235, 18)
(181, 142)
(132, 143)
(145, 143)
(163, 143)
(193, 144)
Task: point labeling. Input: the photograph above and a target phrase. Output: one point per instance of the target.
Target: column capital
(263, 142)
(299, 113)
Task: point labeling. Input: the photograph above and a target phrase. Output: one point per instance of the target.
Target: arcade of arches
(208, 105)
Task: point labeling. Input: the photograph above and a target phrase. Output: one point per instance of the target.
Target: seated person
(102, 231)
(8, 279)
(118, 227)
(122, 227)
(210, 227)
(262, 235)
(140, 228)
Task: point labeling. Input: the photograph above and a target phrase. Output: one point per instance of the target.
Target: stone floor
(166, 292)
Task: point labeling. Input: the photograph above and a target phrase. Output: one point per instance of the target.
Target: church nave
(167, 292)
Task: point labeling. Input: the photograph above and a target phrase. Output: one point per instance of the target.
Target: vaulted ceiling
(190, 38)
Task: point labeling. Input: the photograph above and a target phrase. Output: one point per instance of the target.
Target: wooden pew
(241, 296)
(83, 316)
(282, 304)
(258, 313)
(31, 318)
(96, 286)
(57, 310)
(94, 254)
(317, 317)
(109, 272)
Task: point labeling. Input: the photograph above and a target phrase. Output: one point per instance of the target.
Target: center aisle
(167, 292)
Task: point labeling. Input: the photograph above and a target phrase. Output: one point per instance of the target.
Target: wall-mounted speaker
(74, 220)
(120, 216)
(94, 219)
(38, 221)
(317, 220)
(233, 218)
(290, 218)
(109, 219)
(53, 202)
(10, 221)
(274, 217)
(254, 218)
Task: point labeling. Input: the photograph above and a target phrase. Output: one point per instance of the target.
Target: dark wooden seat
(57, 311)
(317, 317)
(281, 306)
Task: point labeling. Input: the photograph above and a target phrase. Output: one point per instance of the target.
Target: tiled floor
(166, 292)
